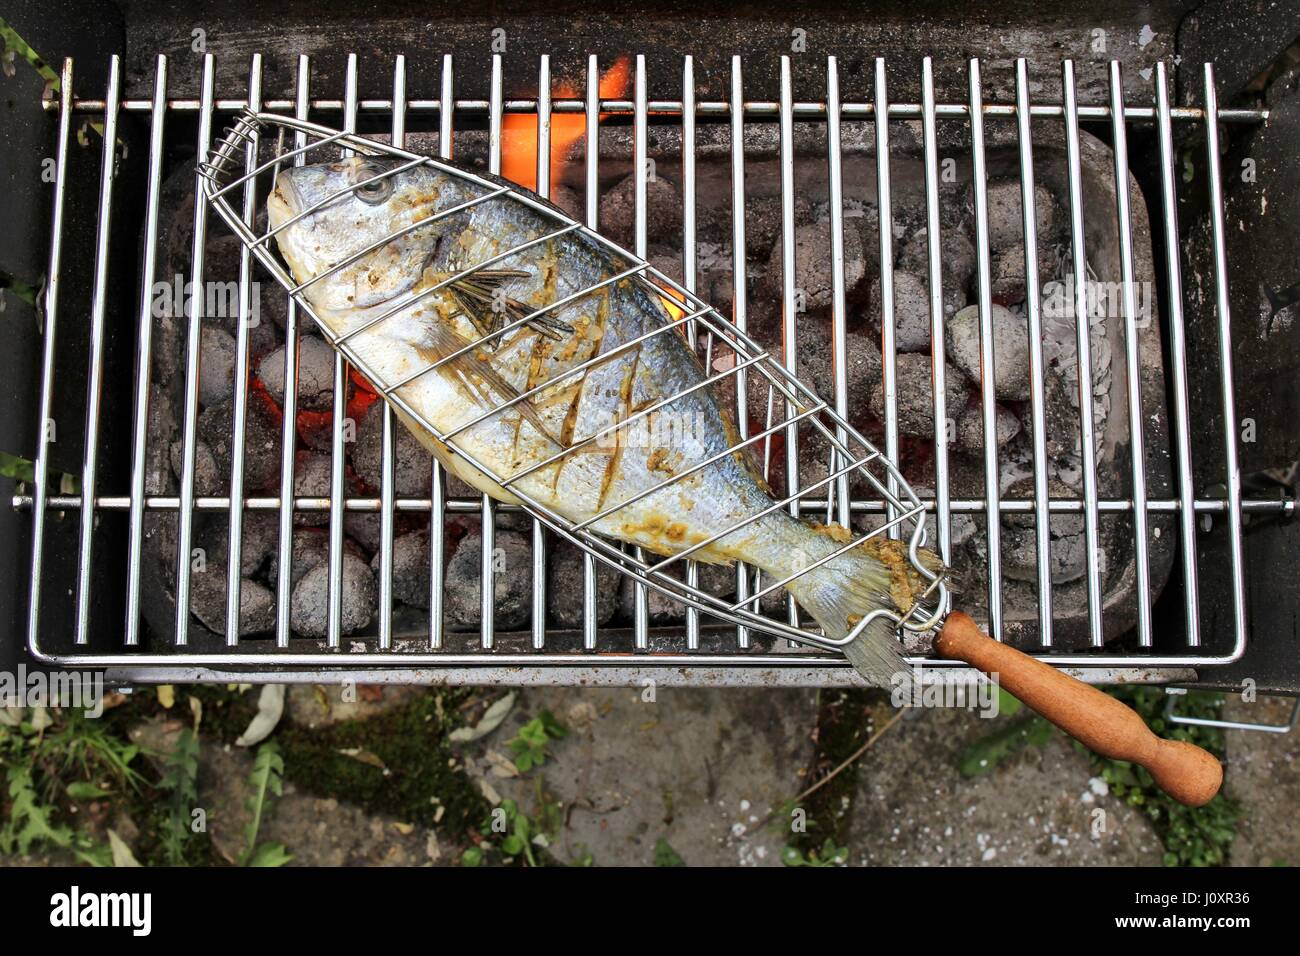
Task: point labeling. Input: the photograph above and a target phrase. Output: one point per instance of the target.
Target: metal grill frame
(815, 667)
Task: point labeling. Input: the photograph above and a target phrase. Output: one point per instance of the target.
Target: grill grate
(714, 658)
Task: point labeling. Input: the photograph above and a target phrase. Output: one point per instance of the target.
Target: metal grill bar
(939, 360)
(289, 404)
(988, 411)
(739, 303)
(689, 278)
(1283, 507)
(544, 190)
(438, 488)
(753, 109)
(1037, 370)
(885, 228)
(1137, 444)
(1083, 338)
(98, 305)
(800, 406)
(1232, 477)
(839, 308)
(339, 415)
(487, 538)
(41, 469)
(135, 549)
(387, 491)
(185, 523)
(235, 536)
(640, 121)
(593, 218)
(1178, 354)
(789, 317)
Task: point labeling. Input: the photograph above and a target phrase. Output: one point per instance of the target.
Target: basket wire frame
(708, 328)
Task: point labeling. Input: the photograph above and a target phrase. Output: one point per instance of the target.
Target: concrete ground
(712, 771)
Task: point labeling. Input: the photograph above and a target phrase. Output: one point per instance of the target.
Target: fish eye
(375, 191)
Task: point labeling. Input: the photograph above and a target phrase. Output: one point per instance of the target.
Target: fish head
(331, 221)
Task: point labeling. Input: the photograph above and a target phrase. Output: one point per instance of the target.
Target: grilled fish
(503, 399)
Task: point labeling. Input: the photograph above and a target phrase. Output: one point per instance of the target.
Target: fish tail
(838, 595)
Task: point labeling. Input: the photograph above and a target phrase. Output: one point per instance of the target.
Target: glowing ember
(519, 130)
(310, 424)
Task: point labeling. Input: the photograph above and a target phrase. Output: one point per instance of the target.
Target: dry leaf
(122, 855)
(270, 707)
(502, 766)
(490, 721)
(166, 696)
(363, 756)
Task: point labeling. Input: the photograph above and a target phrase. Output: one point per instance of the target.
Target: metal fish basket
(729, 356)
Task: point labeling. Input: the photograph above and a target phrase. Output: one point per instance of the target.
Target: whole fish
(505, 401)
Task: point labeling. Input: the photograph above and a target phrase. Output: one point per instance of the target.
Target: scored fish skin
(418, 330)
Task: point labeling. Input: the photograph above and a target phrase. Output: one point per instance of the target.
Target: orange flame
(672, 300)
(519, 130)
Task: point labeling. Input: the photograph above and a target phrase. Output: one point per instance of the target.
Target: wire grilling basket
(728, 356)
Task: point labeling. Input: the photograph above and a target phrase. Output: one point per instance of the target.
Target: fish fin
(840, 593)
(469, 366)
(478, 298)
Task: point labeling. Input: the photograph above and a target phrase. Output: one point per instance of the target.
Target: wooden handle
(1187, 773)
